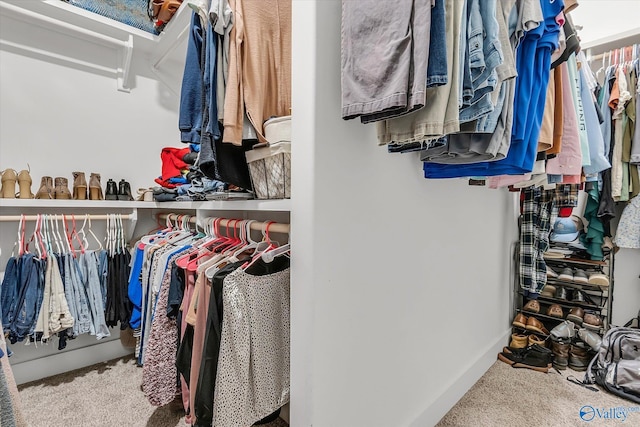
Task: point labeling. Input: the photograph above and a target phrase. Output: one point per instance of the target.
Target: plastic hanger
(20, 238)
(260, 250)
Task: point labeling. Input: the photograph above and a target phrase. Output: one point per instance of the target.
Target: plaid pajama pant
(538, 213)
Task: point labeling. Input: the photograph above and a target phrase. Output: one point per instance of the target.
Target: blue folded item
(129, 12)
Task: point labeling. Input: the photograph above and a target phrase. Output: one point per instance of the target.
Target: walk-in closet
(315, 213)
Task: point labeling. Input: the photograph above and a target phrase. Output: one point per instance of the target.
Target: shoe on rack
(580, 276)
(576, 315)
(9, 178)
(95, 187)
(607, 245)
(24, 185)
(578, 357)
(566, 329)
(124, 191)
(560, 349)
(46, 188)
(566, 274)
(79, 186)
(548, 291)
(598, 279)
(552, 274)
(590, 338)
(555, 310)
(561, 293)
(518, 341)
(592, 321)
(533, 357)
(577, 297)
(520, 321)
(534, 339)
(111, 192)
(61, 189)
(533, 306)
(535, 325)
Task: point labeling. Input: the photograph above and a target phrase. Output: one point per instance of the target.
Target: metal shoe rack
(598, 299)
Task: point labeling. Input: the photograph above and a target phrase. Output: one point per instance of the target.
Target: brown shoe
(560, 351)
(24, 185)
(46, 188)
(534, 339)
(555, 310)
(592, 321)
(518, 341)
(79, 186)
(95, 187)
(61, 190)
(532, 306)
(548, 291)
(520, 321)
(578, 358)
(535, 325)
(576, 315)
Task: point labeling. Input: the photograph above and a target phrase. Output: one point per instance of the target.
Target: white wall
(60, 117)
(401, 286)
(600, 18)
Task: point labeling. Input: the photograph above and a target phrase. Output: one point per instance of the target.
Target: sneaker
(566, 274)
(579, 276)
(592, 321)
(598, 279)
(535, 357)
(552, 274)
(561, 293)
(548, 291)
(576, 315)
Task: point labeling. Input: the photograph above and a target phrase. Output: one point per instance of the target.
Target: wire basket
(270, 170)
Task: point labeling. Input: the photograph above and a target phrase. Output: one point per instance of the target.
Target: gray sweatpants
(385, 51)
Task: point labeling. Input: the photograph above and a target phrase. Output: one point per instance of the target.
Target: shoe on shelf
(145, 195)
(548, 291)
(598, 279)
(124, 191)
(534, 339)
(46, 188)
(560, 349)
(578, 357)
(566, 274)
(566, 330)
(592, 339)
(95, 187)
(552, 274)
(9, 178)
(555, 310)
(535, 325)
(533, 357)
(576, 315)
(580, 276)
(61, 189)
(518, 341)
(561, 293)
(24, 185)
(607, 245)
(79, 186)
(520, 321)
(533, 306)
(111, 192)
(592, 321)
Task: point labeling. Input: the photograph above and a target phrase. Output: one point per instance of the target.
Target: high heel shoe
(24, 185)
(46, 188)
(95, 187)
(111, 192)
(61, 190)
(79, 186)
(124, 191)
(9, 178)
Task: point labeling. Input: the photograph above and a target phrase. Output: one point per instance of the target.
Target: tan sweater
(259, 66)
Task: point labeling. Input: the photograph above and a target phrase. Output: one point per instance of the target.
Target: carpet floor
(103, 395)
(109, 395)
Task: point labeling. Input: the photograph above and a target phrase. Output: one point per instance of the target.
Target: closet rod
(275, 227)
(8, 218)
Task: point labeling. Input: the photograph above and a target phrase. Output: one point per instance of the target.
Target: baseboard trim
(43, 367)
(439, 408)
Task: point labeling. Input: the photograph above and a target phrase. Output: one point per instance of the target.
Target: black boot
(111, 192)
(124, 191)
